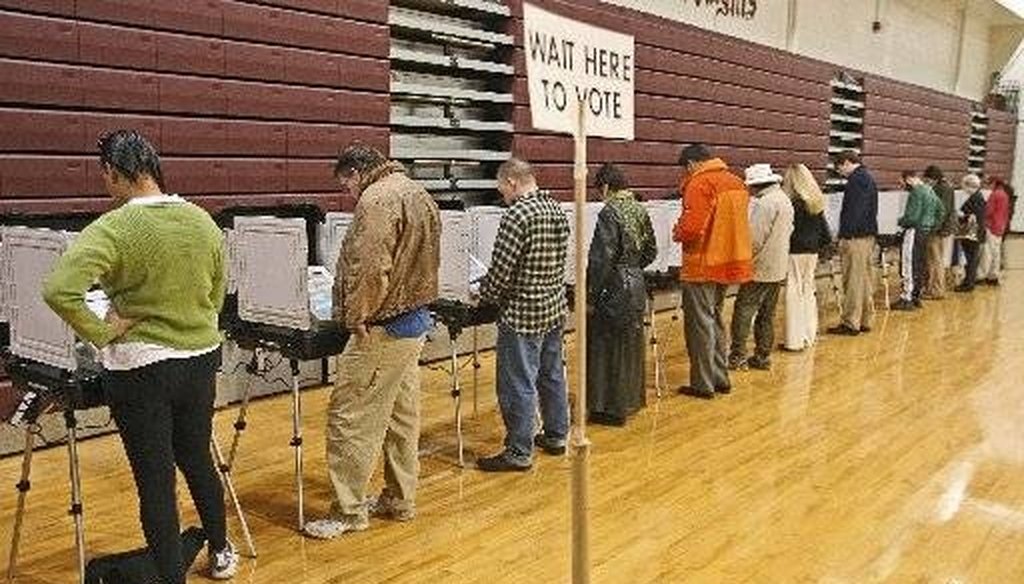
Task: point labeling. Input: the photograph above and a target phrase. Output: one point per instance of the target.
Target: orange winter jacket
(713, 229)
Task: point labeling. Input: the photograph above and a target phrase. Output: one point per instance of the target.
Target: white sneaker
(331, 528)
(224, 564)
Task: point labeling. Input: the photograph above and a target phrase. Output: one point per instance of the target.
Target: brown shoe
(844, 330)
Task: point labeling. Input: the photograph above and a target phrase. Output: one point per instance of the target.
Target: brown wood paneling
(232, 112)
(896, 106)
(62, 176)
(194, 16)
(550, 147)
(918, 163)
(138, 12)
(29, 176)
(954, 144)
(688, 110)
(110, 89)
(62, 7)
(904, 150)
(190, 54)
(371, 10)
(874, 117)
(327, 200)
(916, 95)
(324, 140)
(26, 130)
(32, 83)
(302, 29)
(116, 46)
(23, 35)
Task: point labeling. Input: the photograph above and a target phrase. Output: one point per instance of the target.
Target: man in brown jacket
(385, 278)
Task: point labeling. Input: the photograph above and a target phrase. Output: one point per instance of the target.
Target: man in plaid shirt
(527, 283)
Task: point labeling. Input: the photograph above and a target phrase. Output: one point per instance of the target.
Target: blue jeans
(530, 367)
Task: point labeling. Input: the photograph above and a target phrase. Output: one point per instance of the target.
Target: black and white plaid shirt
(527, 275)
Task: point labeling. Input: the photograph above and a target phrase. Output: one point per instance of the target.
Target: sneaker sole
(324, 537)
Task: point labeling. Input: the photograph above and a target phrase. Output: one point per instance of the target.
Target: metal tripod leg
(296, 441)
(885, 276)
(476, 369)
(655, 347)
(456, 391)
(256, 367)
(837, 287)
(76, 490)
(225, 474)
(240, 422)
(23, 486)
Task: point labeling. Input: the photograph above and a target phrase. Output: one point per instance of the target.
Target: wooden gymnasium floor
(892, 457)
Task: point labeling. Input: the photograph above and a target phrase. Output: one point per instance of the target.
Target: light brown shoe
(387, 507)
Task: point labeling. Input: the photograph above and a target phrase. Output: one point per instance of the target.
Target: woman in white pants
(810, 236)
(997, 222)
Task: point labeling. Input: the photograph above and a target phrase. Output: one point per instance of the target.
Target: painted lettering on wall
(744, 9)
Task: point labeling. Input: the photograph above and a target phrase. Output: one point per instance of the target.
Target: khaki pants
(936, 287)
(858, 281)
(375, 404)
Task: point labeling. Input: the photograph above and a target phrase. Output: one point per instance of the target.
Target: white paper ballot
(477, 269)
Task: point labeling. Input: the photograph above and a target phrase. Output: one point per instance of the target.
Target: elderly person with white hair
(771, 224)
(972, 236)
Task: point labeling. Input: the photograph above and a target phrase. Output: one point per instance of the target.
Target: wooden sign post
(580, 444)
(580, 79)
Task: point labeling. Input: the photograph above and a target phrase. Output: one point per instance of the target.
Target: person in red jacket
(997, 221)
(715, 234)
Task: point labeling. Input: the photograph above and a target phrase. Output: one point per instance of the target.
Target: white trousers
(801, 302)
(907, 264)
(990, 264)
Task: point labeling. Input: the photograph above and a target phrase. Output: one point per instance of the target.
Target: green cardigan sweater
(160, 264)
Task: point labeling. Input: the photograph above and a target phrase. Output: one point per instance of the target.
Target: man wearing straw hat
(771, 224)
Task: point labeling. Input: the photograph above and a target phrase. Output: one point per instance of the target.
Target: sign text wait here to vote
(570, 62)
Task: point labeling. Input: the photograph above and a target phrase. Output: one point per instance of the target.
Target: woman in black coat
(623, 245)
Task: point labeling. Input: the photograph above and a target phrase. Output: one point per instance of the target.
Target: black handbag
(626, 298)
(967, 228)
(136, 566)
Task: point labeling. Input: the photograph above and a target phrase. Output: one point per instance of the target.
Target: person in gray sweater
(771, 224)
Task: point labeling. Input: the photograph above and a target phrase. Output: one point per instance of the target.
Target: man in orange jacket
(715, 235)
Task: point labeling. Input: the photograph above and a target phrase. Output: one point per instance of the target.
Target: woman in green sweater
(159, 260)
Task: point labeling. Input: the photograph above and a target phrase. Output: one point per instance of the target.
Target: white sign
(568, 62)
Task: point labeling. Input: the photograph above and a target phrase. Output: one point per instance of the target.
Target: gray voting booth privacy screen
(37, 333)
(272, 278)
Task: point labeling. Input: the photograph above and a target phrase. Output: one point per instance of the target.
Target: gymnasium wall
(247, 101)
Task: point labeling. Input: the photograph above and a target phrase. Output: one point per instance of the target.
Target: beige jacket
(771, 224)
(391, 253)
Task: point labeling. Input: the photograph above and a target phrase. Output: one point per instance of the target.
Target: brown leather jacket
(391, 253)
